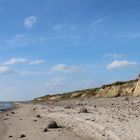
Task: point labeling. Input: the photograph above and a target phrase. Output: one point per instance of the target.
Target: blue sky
(54, 46)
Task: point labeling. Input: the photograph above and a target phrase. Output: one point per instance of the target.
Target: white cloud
(56, 84)
(39, 61)
(64, 68)
(56, 81)
(30, 21)
(13, 61)
(32, 73)
(5, 70)
(100, 20)
(114, 55)
(121, 64)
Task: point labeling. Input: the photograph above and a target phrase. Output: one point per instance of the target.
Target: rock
(45, 130)
(22, 136)
(93, 119)
(126, 99)
(13, 112)
(38, 116)
(52, 124)
(10, 136)
(6, 118)
(103, 134)
(87, 119)
(67, 107)
(136, 102)
(34, 109)
(83, 110)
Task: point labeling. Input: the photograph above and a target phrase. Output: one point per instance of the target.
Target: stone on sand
(52, 124)
(45, 130)
(68, 107)
(83, 110)
(126, 99)
(13, 112)
(38, 116)
(23, 136)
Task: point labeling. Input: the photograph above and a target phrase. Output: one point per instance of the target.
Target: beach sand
(3, 130)
(107, 119)
(23, 122)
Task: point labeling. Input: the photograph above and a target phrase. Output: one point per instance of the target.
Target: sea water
(5, 105)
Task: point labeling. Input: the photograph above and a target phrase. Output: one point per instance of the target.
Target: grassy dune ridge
(119, 88)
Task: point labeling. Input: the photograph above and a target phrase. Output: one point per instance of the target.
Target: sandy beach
(106, 119)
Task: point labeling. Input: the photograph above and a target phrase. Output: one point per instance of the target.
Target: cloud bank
(5, 70)
(121, 64)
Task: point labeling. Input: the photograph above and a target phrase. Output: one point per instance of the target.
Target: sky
(55, 46)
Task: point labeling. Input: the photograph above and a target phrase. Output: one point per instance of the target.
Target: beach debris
(7, 114)
(88, 119)
(38, 116)
(34, 109)
(68, 107)
(13, 112)
(35, 120)
(52, 124)
(126, 99)
(22, 136)
(6, 118)
(103, 134)
(10, 136)
(83, 110)
(79, 104)
(93, 119)
(45, 130)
